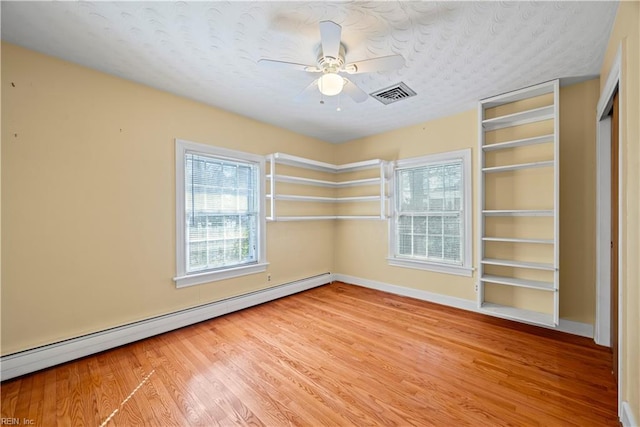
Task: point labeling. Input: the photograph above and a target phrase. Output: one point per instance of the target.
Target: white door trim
(602, 329)
(603, 201)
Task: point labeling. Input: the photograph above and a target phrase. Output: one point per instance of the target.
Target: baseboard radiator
(24, 362)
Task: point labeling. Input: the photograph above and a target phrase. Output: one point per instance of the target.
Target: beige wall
(88, 228)
(626, 35)
(361, 247)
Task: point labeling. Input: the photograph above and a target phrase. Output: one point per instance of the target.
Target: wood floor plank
(337, 355)
(9, 393)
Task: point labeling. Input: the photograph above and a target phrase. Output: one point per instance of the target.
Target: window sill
(213, 276)
(457, 270)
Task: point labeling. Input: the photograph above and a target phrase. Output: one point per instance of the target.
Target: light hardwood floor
(336, 355)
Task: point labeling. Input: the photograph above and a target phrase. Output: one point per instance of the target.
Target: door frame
(602, 330)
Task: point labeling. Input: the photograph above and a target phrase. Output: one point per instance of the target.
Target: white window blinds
(221, 212)
(429, 218)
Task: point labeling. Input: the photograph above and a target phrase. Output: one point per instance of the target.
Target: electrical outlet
(268, 277)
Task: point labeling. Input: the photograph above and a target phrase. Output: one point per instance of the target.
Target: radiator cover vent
(394, 93)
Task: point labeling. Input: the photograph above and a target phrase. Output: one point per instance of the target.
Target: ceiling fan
(331, 63)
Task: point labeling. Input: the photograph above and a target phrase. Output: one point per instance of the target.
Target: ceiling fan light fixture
(330, 84)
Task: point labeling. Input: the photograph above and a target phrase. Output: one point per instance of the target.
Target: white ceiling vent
(394, 93)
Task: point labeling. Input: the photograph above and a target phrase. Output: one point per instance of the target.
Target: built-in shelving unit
(375, 187)
(518, 230)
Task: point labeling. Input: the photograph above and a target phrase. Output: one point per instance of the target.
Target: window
(219, 213)
(431, 225)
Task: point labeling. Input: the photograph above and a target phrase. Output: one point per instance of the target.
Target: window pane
(221, 224)
(452, 225)
(404, 224)
(435, 225)
(435, 247)
(429, 225)
(404, 245)
(420, 246)
(452, 248)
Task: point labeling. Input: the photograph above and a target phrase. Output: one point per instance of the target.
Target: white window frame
(183, 278)
(465, 269)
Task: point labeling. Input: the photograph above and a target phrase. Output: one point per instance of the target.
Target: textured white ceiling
(456, 52)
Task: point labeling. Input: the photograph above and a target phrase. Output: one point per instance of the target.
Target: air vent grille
(394, 93)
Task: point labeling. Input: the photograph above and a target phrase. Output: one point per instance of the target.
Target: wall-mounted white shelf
(324, 183)
(541, 271)
(519, 143)
(297, 198)
(512, 281)
(518, 212)
(324, 217)
(301, 162)
(518, 264)
(518, 240)
(518, 119)
(379, 181)
(507, 168)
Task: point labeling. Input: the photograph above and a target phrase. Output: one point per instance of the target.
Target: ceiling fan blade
(313, 87)
(383, 63)
(330, 37)
(271, 63)
(354, 91)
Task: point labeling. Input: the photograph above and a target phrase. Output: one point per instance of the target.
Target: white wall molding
(568, 326)
(627, 418)
(28, 361)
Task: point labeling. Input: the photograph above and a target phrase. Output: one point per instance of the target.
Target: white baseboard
(627, 419)
(464, 304)
(569, 326)
(24, 362)
(575, 328)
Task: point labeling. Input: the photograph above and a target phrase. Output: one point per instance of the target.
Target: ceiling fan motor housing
(329, 64)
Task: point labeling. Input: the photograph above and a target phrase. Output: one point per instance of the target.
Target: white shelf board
(518, 240)
(519, 95)
(324, 217)
(324, 183)
(321, 199)
(513, 313)
(518, 264)
(356, 182)
(358, 199)
(366, 164)
(296, 198)
(519, 142)
(518, 212)
(302, 218)
(523, 283)
(359, 217)
(301, 162)
(521, 166)
(302, 180)
(521, 118)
